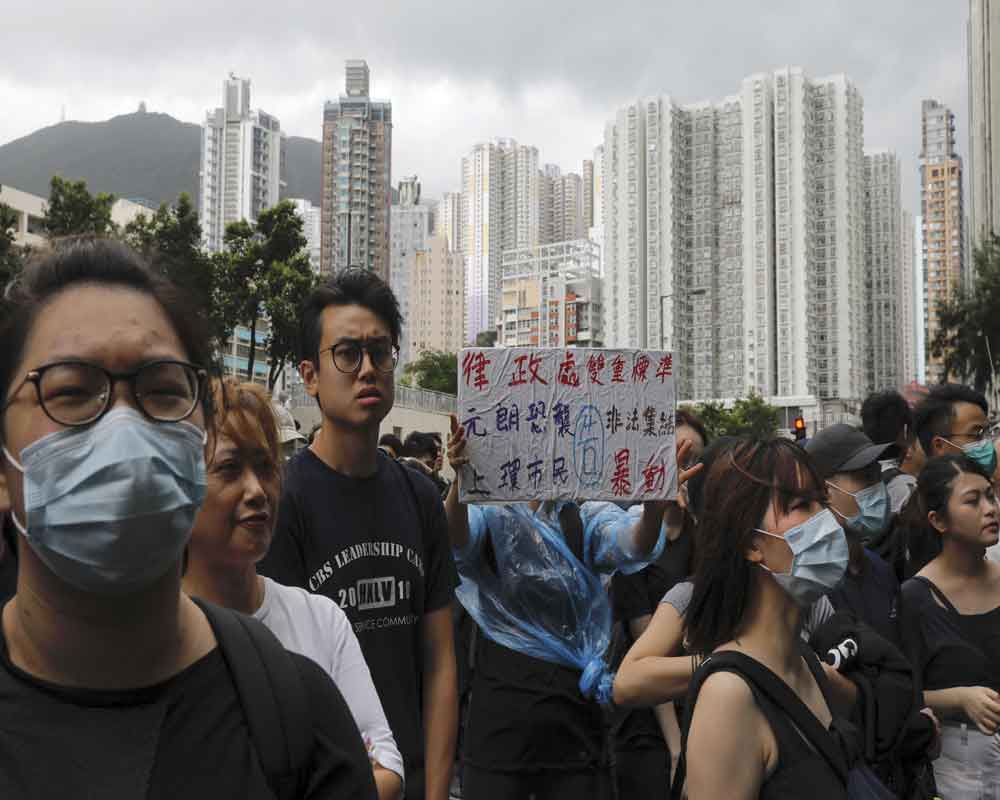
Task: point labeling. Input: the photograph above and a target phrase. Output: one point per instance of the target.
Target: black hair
(391, 440)
(419, 444)
(80, 261)
(351, 287)
(738, 491)
(696, 483)
(934, 488)
(887, 417)
(685, 417)
(935, 414)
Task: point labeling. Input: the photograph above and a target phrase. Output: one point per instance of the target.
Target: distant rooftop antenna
(142, 107)
(62, 115)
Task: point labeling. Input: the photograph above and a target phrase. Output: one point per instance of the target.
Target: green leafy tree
(434, 370)
(73, 210)
(11, 259)
(753, 416)
(263, 274)
(170, 239)
(750, 416)
(968, 336)
(486, 339)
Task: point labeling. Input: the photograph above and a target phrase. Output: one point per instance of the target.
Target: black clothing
(948, 648)
(638, 739)
(185, 737)
(527, 714)
(642, 773)
(480, 784)
(801, 771)
(8, 561)
(872, 596)
(379, 548)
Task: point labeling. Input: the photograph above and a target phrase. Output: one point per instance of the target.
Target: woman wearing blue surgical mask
(768, 548)
(104, 414)
(951, 625)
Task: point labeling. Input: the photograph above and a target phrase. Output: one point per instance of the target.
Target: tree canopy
(434, 370)
(73, 210)
(750, 416)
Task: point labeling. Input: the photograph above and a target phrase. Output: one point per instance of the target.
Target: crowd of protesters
(202, 601)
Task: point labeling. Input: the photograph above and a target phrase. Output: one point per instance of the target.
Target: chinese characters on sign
(559, 424)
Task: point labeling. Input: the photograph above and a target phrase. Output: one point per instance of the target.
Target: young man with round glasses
(369, 533)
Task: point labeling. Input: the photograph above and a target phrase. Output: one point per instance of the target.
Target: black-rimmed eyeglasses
(348, 353)
(76, 393)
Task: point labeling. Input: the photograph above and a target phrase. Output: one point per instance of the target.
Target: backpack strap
(271, 694)
(937, 593)
(889, 475)
(774, 689)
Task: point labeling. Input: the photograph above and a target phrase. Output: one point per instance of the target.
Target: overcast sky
(458, 72)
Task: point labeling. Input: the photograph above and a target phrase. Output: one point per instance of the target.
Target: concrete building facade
(242, 163)
(942, 206)
(412, 223)
(356, 177)
(984, 111)
(437, 295)
(733, 235)
(500, 211)
(551, 296)
(312, 218)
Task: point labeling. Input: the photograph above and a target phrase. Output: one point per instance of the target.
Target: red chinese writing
(666, 367)
(618, 369)
(595, 366)
(474, 369)
(567, 371)
(621, 481)
(654, 476)
(640, 368)
(526, 371)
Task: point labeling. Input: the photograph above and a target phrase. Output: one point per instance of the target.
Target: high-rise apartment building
(984, 110)
(412, 222)
(885, 293)
(598, 188)
(311, 226)
(909, 298)
(242, 161)
(356, 177)
(551, 296)
(437, 319)
(501, 209)
(448, 221)
(588, 194)
(561, 206)
(944, 219)
(733, 235)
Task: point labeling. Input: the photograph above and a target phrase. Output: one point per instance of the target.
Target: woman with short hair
(232, 533)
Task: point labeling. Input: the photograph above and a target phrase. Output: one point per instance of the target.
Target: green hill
(141, 155)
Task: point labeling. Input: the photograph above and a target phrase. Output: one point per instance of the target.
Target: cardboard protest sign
(561, 424)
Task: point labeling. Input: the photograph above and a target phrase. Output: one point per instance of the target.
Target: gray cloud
(548, 74)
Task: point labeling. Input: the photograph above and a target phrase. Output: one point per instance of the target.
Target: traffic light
(799, 426)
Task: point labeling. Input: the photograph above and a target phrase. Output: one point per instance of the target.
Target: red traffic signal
(799, 426)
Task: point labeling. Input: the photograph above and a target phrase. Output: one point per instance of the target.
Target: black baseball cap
(843, 448)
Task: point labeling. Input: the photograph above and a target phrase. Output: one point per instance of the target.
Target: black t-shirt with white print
(379, 548)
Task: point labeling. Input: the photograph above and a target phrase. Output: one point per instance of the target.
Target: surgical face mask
(820, 554)
(983, 452)
(874, 509)
(110, 508)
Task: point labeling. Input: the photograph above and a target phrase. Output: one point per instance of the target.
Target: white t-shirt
(314, 626)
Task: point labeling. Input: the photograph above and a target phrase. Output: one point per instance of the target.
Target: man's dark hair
(351, 287)
(936, 413)
(421, 445)
(82, 261)
(393, 441)
(887, 417)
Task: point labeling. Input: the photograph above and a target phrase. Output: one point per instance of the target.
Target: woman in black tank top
(768, 548)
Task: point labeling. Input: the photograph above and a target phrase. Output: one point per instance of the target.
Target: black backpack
(271, 694)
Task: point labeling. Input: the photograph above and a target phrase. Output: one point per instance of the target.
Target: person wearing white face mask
(848, 462)
(113, 683)
(768, 549)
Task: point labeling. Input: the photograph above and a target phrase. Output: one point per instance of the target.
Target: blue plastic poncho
(541, 600)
